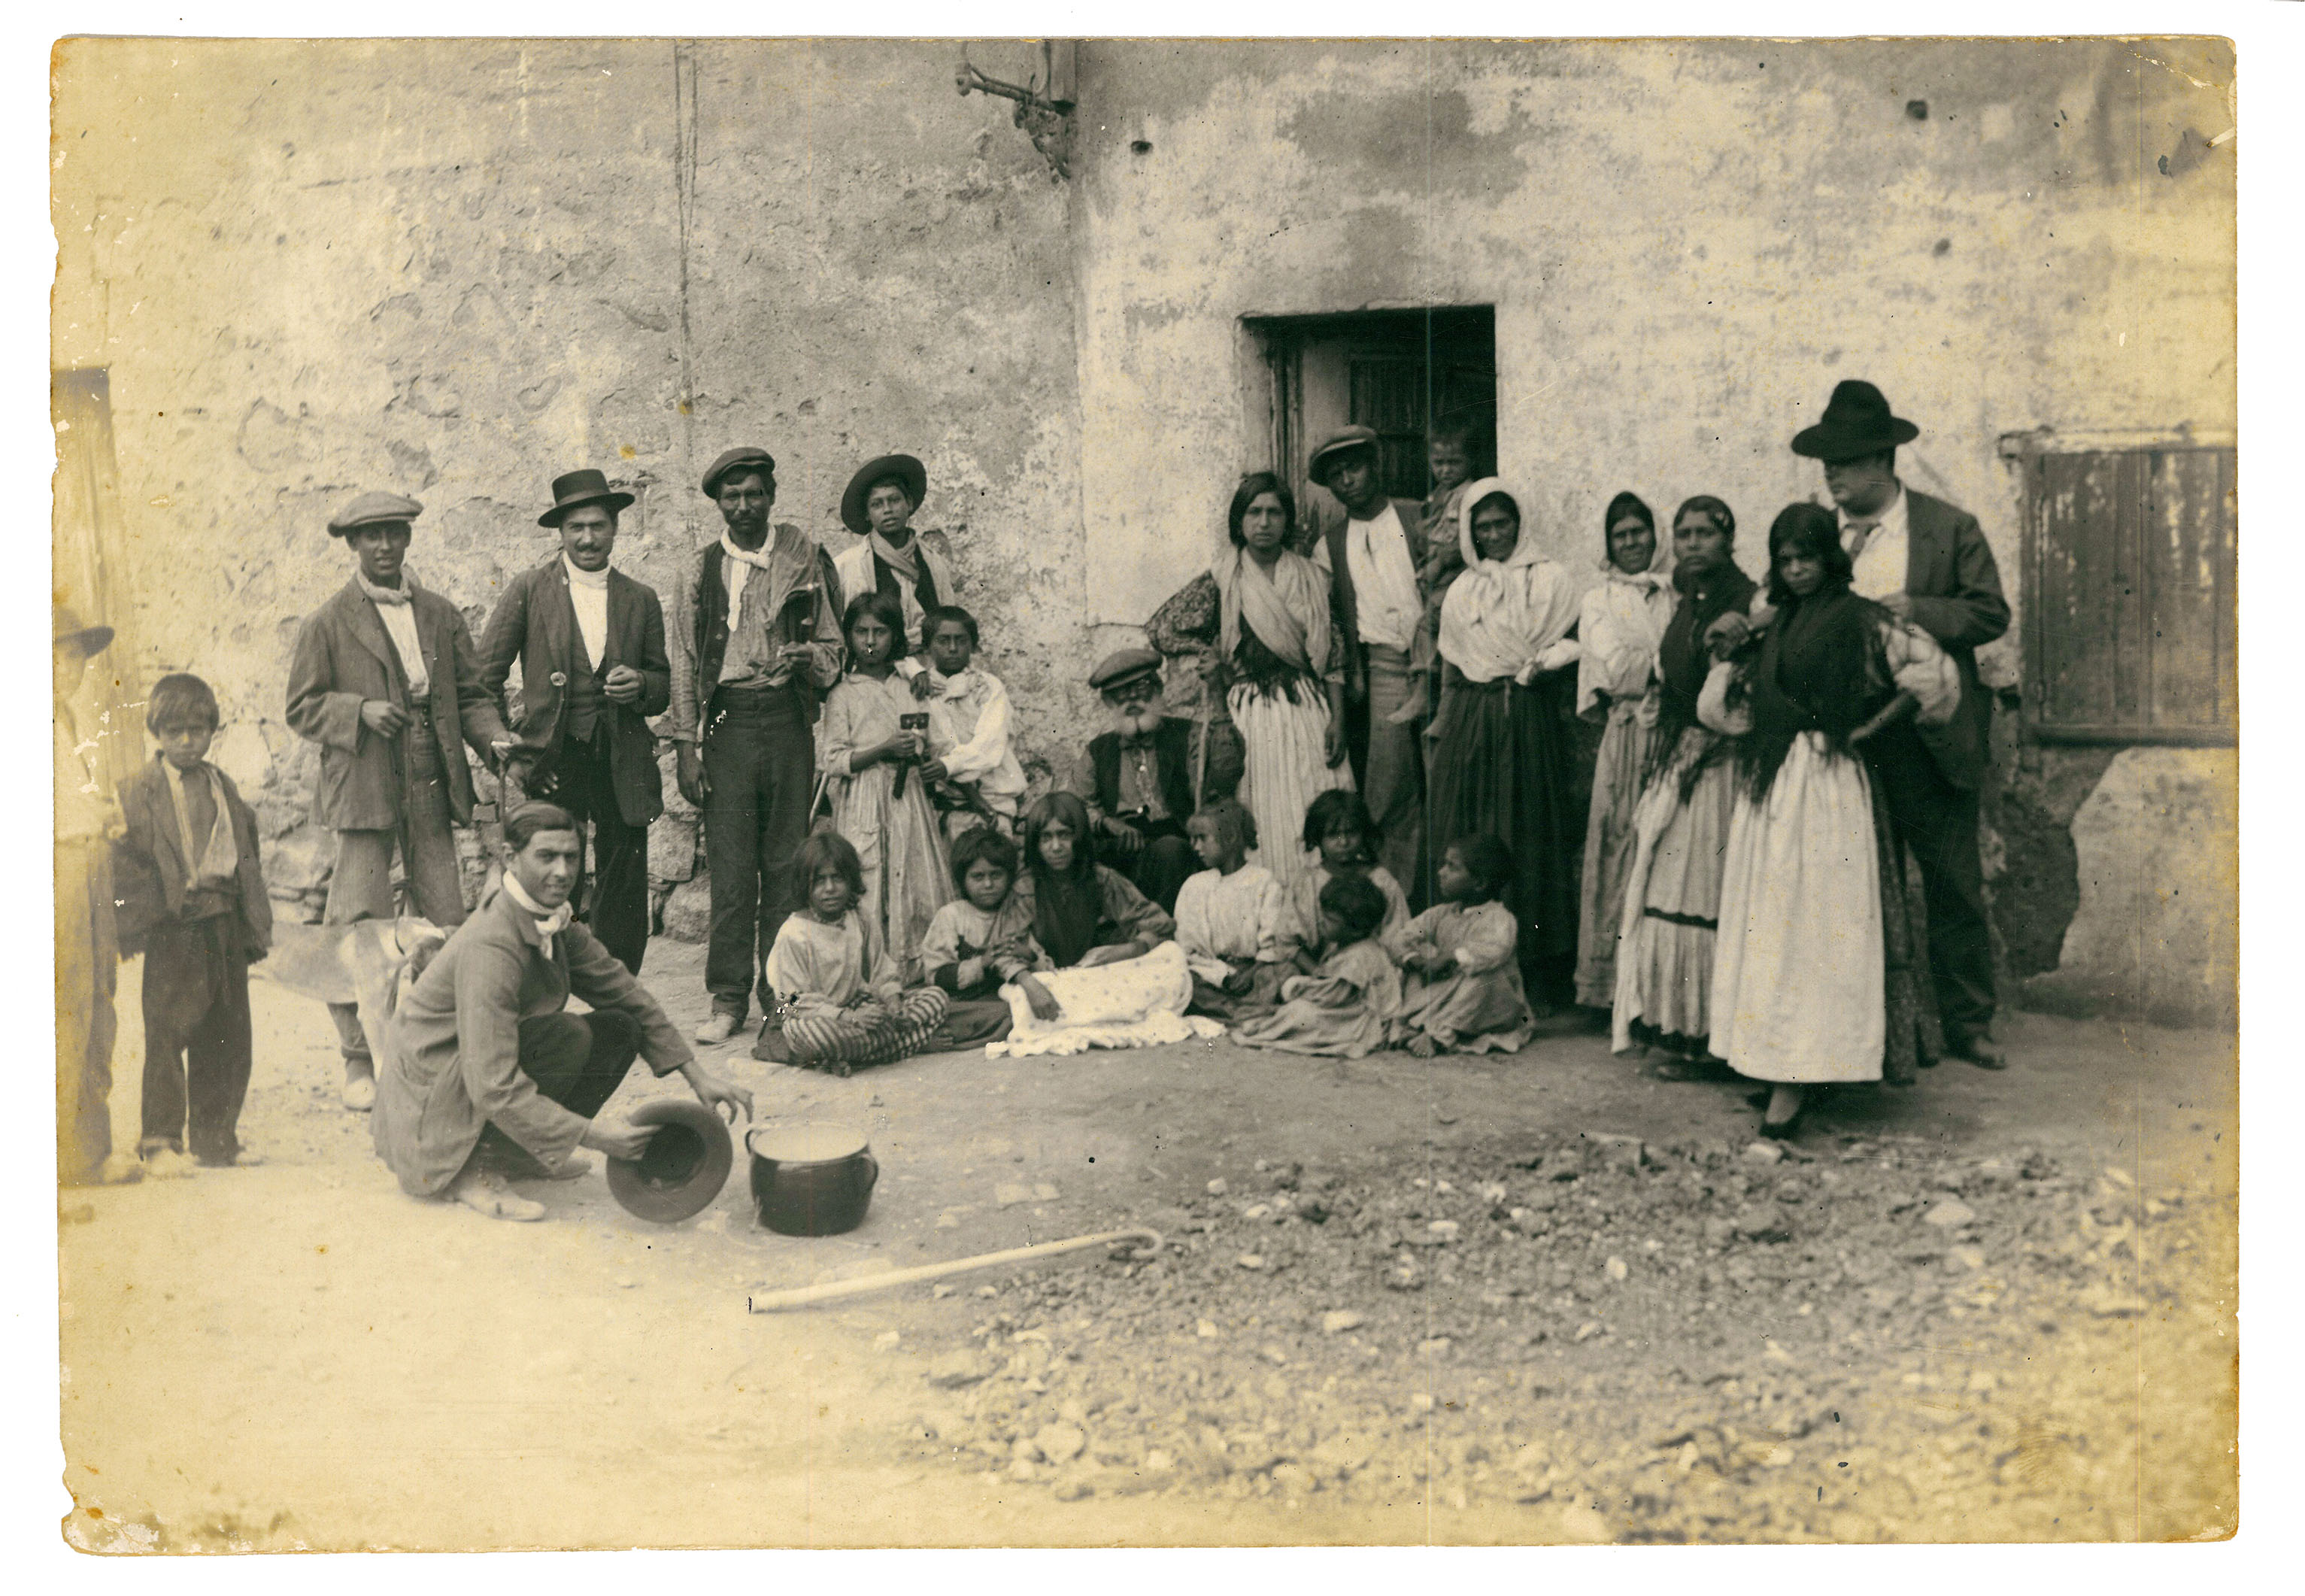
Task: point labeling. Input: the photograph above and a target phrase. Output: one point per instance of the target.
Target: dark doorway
(1400, 374)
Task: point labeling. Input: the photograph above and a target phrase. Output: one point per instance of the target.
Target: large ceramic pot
(811, 1180)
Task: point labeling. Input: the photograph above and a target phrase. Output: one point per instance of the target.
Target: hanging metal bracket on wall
(1044, 102)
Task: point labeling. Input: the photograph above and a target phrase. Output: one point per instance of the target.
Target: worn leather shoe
(484, 1192)
(1983, 1052)
(360, 1090)
(718, 1027)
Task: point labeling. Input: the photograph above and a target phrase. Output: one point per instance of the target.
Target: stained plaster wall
(456, 270)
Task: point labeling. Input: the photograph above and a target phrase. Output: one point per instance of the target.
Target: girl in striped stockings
(841, 1004)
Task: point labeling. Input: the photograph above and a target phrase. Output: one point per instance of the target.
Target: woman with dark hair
(1671, 892)
(1081, 913)
(1265, 608)
(878, 750)
(1502, 761)
(1618, 631)
(1813, 980)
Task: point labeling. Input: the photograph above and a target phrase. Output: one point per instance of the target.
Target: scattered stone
(1443, 1229)
(940, 1292)
(1620, 1149)
(1295, 1479)
(1432, 1346)
(1588, 1329)
(1218, 1188)
(1206, 1329)
(888, 1338)
(1493, 1193)
(1159, 1461)
(1256, 1210)
(1763, 1222)
(2111, 1302)
(1073, 1490)
(1043, 1191)
(1009, 1193)
(987, 1291)
(1969, 1258)
(1421, 1403)
(1765, 1152)
(1275, 1356)
(948, 1221)
(1950, 1215)
(955, 1369)
(1249, 1260)
(1617, 1269)
(1339, 1320)
(1023, 1471)
(1060, 1443)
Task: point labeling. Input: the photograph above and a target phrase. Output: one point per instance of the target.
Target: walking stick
(808, 1296)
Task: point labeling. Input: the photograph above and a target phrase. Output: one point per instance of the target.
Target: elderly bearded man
(486, 1076)
(1143, 780)
(593, 667)
(386, 680)
(755, 642)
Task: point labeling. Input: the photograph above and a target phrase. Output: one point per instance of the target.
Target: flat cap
(1122, 667)
(373, 509)
(732, 458)
(1341, 441)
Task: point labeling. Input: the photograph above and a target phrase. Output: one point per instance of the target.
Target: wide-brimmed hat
(1123, 666)
(1341, 441)
(68, 631)
(903, 467)
(686, 1164)
(1856, 423)
(374, 509)
(580, 487)
(730, 459)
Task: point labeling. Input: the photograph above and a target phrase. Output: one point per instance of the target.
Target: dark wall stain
(1374, 142)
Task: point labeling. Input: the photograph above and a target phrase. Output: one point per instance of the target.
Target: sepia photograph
(1134, 792)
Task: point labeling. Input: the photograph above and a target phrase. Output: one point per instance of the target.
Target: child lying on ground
(841, 1004)
(1233, 920)
(1342, 1011)
(1464, 990)
(981, 942)
(1337, 826)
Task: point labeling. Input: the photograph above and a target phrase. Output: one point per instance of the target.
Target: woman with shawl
(1501, 757)
(1083, 914)
(1671, 890)
(1813, 980)
(1266, 610)
(1623, 620)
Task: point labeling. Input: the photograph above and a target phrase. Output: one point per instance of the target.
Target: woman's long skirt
(1286, 768)
(1798, 978)
(1625, 747)
(908, 875)
(1500, 764)
(1672, 908)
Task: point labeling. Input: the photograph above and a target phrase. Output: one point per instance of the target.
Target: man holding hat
(592, 668)
(755, 642)
(1143, 780)
(1375, 551)
(915, 566)
(1928, 563)
(384, 678)
(88, 949)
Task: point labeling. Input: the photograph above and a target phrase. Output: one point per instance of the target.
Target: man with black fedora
(386, 679)
(914, 567)
(1375, 552)
(592, 668)
(1925, 562)
(755, 642)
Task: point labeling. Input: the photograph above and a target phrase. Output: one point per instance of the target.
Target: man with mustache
(755, 642)
(1143, 780)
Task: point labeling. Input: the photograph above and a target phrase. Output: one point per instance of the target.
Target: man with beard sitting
(1144, 779)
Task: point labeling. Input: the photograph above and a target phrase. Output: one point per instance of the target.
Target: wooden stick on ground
(831, 1291)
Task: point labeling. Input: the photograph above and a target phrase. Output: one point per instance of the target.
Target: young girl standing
(1463, 992)
(1339, 832)
(1341, 1011)
(877, 771)
(1233, 920)
(840, 1004)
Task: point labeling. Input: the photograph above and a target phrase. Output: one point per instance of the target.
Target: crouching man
(486, 1078)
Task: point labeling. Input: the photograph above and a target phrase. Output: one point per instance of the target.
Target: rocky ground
(1544, 1298)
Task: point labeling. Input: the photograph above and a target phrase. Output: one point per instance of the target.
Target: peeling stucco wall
(457, 269)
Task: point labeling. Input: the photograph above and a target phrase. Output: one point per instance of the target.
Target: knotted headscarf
(1501, 616)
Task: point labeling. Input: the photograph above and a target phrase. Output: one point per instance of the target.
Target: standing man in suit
(755, 644)
(386, 680)
(1374, 550)
(592, 668)
(1926, 562)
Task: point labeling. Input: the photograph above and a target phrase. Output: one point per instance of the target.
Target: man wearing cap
(755, 642)
(1375, 550)
(384, 678)
(87, 948)
(1143, 780)
(592, 668)
(1928, 563)
(914, 567)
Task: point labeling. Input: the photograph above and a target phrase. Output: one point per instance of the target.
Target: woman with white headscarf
(1502, 757)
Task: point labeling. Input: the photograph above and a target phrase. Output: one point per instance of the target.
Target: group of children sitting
(1341, 971)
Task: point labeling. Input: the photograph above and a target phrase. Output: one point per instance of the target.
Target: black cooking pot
(811, 1180)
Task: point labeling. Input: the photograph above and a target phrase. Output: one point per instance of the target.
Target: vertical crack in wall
(684, 176)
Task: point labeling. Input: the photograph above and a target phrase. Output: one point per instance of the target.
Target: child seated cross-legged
(1337, 826)
(840, 1004)
(1463, 992)
(1233, 920)
(981, 942)
(1341, 1011)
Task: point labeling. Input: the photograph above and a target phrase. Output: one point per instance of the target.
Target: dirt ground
(1544, 1298)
